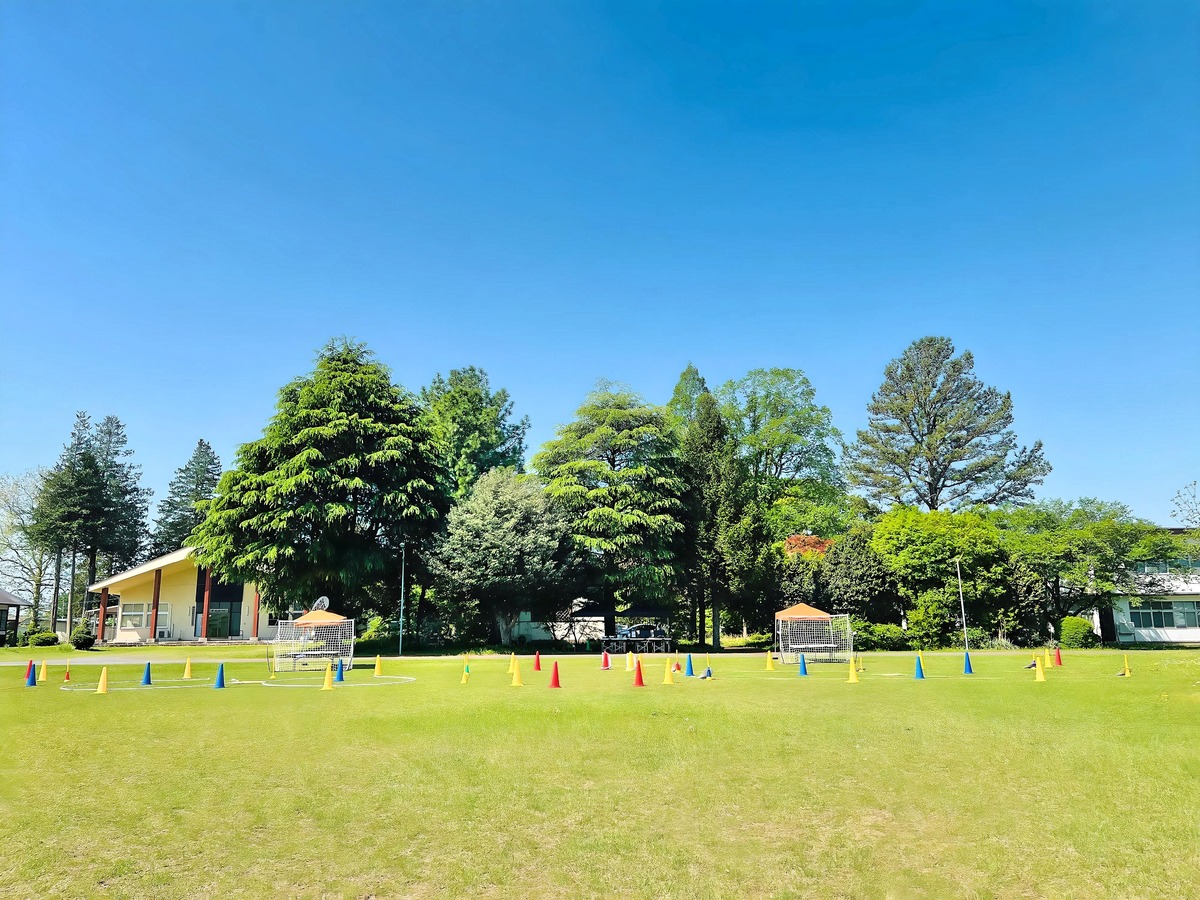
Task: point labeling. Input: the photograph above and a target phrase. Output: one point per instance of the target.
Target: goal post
(820, 638)
(299, 646)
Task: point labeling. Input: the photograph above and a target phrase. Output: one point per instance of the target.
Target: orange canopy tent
(802, 611)
(318, 617)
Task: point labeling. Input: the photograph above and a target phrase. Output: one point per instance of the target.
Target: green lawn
(754, 784)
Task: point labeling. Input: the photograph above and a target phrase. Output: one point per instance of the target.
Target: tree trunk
(57, 588)
(716, 617)
(71, 595)
(91, 579)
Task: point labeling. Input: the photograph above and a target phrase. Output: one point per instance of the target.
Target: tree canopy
(178, 513)
(613, 471)
(346, 470)
(938, 437)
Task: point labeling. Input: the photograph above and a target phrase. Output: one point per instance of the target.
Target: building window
(133, 615)
(1166, 614)
(164, 618)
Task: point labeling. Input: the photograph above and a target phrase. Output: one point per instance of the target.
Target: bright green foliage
(782, 433)
(682, 406)
(856, 580)
(614, 474)
(1076, 632)
(920, 549)
(1073, 556)
(940, 438)
(319, 505)
(504, 552)
(811, 507)
(474, 426)
(194, 481)
(1185, 505)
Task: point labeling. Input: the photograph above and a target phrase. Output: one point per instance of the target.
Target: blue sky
(194, 197)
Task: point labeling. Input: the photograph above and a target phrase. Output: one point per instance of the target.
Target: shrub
(82, 639)
(43, 639)
(870, 636)
(1076, 632)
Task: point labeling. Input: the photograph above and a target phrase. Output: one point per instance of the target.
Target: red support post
(103, 615)
(154, 606)
(207, 597)
(254, 624)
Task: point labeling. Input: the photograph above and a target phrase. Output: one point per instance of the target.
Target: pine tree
(126, 502)
(938, 437)
(194, 481)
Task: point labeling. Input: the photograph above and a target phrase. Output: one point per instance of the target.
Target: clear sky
(195, 196)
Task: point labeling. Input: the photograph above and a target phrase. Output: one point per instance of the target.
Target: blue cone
(920, 676)
(31, 678)
(146, 675)
(707, 674)
(803, 666)
(967, 670)
(340, 676)
(220, 682)
(689, 671)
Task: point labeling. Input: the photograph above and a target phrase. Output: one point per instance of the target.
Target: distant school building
(171, 598)
(1168, 611)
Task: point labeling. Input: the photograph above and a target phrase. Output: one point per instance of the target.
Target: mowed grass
(754, 784)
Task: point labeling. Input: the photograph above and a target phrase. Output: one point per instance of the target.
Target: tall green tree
(474, 425)
(682, 405)
(126, 502)
(345, 472)
(505, 551)
(938, 437)
(857, 581)
(782, 433)
(715, 479)
(614, 473)
(194, 481)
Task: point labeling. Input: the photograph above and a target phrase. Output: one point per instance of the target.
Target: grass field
(755, 784)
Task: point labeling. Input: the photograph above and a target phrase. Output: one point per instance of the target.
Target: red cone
(1057, 656)
(537, 661)
(638, 681)
(554, 677)
(605, 662)
(678, 667)
(28, 669)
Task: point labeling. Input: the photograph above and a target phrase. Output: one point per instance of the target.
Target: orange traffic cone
(605, 662)
(537, 661)
(67, 674)
(638, 680)
(1058, 656)
(554, 682)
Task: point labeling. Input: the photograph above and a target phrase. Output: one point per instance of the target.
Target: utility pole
(962, 603)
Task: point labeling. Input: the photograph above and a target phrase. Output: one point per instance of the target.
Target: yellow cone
(1039, 674)
(853, 679)
(1127, 673)
(707, 661)
(512, 663)
(187, 668)
(921, 657)
(1048, 662)
(102, 687)
(328, 685)
(668, 675)
(466, 675)
(770, 661)
(42, 672)
(517, 682)
(378, 666)
(629, 661)
(858, 659)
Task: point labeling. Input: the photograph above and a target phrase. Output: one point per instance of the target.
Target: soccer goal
(821, 637)
(315, 640)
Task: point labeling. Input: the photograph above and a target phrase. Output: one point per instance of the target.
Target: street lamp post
(403, 555)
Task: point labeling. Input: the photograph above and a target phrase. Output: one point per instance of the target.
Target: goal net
(820, 639)
(301, 646)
